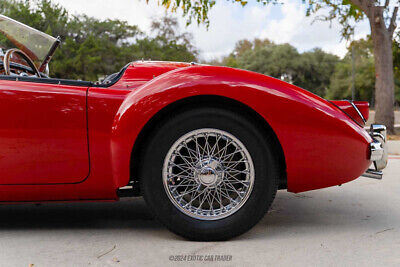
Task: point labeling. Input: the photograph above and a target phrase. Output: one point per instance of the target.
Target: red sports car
(207, 147)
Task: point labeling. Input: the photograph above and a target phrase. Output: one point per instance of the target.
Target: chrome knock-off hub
(209, 172)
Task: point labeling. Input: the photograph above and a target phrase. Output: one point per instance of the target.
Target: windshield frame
(39, 46)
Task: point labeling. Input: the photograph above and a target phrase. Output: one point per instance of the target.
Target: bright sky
(230, 23)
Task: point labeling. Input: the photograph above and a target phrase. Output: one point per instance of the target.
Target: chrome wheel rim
(208, 174)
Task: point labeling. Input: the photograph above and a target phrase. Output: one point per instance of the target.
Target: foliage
(310, 70)
(168, 45)
(347, 12)
(317, 71)
(396, 64)
(199, 9)
(93, 48)
(341, 81)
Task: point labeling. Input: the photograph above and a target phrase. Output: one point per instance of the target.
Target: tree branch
(392, 25)
(363, 4)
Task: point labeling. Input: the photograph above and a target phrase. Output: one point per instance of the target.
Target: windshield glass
(34, 43)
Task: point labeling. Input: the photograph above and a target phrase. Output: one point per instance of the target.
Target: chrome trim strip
(358, 111)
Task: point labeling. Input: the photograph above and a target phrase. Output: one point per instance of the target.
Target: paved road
(358, 223)
(394, 147)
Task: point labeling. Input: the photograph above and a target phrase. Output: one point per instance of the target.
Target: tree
(92, 48)
(341, 80)
(168, 43)
(382, 20)
(396, 63)
(311, 70)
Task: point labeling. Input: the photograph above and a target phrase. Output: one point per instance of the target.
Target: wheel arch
(197, 102)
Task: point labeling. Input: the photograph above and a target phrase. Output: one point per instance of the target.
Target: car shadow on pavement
(130, 213)
(307, 213)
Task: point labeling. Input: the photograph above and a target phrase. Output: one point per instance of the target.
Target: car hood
(140, 72)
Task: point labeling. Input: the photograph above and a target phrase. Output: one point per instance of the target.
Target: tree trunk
(384, 85)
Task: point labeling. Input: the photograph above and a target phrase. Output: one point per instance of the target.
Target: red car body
(70, 142)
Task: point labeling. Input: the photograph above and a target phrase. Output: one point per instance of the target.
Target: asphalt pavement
(355, 224)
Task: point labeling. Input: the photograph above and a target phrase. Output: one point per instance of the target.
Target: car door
(43, 131)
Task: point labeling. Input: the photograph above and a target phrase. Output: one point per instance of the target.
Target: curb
(393, 147)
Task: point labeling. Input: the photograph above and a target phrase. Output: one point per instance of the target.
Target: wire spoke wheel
(208, 174)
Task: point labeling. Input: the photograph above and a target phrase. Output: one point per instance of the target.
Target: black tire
(266, 178)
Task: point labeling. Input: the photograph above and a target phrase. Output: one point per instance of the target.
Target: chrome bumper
(378, 155)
